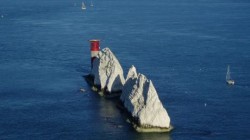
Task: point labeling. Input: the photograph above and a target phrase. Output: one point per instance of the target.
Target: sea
(183, 46)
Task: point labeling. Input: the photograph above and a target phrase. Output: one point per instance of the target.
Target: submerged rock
(107, 71)
(140, 98)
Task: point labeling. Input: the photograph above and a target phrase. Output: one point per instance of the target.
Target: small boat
(229, 79)
(83, 6)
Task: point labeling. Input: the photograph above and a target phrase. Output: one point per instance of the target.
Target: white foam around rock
(140, 98)
(107, 71)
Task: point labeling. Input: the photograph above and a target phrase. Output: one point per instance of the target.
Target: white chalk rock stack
(128, 86)
(107, 71)
(140, 98)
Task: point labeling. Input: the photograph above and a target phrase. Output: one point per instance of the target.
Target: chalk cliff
(140, 98)
(107, 71)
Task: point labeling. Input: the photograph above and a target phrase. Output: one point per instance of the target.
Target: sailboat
(229, 80)
(83, 6)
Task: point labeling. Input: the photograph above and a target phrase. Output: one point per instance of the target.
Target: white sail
(83, 6)
(228, 76)
(229, 79)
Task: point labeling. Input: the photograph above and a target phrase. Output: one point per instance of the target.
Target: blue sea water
(184, 47)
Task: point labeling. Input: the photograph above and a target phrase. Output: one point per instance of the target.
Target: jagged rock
(140, 98)
(107, 71)
(128, 86)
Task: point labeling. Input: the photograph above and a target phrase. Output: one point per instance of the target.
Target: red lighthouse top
(94, 43)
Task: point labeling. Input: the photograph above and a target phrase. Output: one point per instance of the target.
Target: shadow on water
(114, 122)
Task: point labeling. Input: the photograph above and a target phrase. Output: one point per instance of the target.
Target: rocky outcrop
(107, 71)
(139, 97)
(141, 100)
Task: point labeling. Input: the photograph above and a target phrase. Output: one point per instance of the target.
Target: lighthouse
(94, 48)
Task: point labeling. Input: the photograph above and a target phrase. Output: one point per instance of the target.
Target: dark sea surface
(183, 46)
